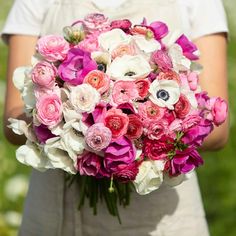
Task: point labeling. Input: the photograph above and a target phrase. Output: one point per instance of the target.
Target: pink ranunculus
(149, 111)
(53, 48)
(182, 107)
(88, 164)
(90, 43)
(157, 129)
(124, 92)
(44, 74)
(126, 173)
(157, 150)
(49, 110)
(123, 49)
(190, 121)
(117, 122)
(169, 75)
(99, 80)
(188, 47)
(98, 136)
(219, 110)
(184, 162)
(76, 66)
(169, 115)
(135, 127)
(124, 24)
(162, 60)
(120, 152)
(96, 22)
(142, 86)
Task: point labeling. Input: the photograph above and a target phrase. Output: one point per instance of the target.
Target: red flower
(182, 107)
(142, 86)
(117, 122)
(135, 127)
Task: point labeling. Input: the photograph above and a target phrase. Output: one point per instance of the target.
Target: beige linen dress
(51, 206)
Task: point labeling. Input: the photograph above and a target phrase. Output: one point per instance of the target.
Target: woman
(50, 207)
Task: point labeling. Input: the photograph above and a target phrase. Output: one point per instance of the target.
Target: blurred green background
(217, 178)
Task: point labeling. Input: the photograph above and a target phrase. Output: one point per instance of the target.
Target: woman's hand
(213, 79)
(21, 49)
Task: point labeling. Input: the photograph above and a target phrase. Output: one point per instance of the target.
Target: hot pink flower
(98, 136)
(182, 107)
(157, 129)
(98, 79)
(44, 74)
(142, 86)
(53, 48)
(117, 122)
(121, 24)
(88, 164)
(157, 150)
(124, 91)
(135, 127)
(96, 22)
(162, 60)
(49, 110)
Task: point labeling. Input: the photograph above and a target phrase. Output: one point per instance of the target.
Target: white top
(199, 17)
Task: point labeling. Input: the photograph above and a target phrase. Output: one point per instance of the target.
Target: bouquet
(117, 106)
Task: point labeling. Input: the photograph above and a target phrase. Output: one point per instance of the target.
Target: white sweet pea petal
(146, 45)
(129, 67)
(149, 177)
(30, 155)
(171, 38)
(69, 113)
(112, 39)
(57, 156)
(19, 77)
(84, 98)
(179, 61)
(164, 93)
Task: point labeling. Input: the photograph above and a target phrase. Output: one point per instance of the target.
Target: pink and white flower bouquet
(118, 105)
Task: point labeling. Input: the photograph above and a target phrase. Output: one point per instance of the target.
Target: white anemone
(164, 93)
(129, 67)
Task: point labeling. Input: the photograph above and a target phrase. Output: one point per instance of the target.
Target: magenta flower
(98, 136)
(159, 29)
(188, 47)
(162, 60)
(88, 164)
(76, 66)
(43, 133)
(184, 162)
(120, 152)
(121, 24)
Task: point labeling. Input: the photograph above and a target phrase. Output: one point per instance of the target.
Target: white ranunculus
(23, 82)
(112, 39)
(164, 93)
(30, 154)
(146, 45)
(57, 155)
(84, 98)
(179, 61)
(149, 177)
(129, 67)
(72, 139)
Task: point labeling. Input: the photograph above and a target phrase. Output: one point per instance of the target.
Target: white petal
(146, 45)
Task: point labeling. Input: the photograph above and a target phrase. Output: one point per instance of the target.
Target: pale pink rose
(98, 136)
(219, 110)
(96, 22)
(44, 74)
(124, 92)
(157, 129)
(117, 122)
(149, 112)
(53, 47)
(124, 49)
(98, 79)
(49, 110)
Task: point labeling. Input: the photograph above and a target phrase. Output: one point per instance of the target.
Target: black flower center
(163, 94)
(129, 73)
(102, 67)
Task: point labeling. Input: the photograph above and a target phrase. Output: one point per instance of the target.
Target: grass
(217, 178)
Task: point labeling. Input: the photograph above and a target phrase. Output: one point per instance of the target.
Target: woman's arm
(213, 49)
(21, 48)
